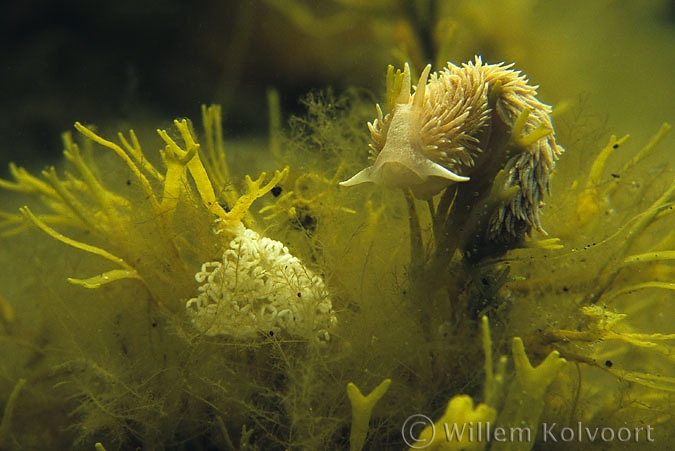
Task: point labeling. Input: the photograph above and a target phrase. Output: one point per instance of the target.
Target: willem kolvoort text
(550, 432)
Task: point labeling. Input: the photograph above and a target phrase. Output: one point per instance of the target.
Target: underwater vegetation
(485, 290)
(189, 308)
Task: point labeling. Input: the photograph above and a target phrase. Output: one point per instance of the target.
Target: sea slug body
(456, 120)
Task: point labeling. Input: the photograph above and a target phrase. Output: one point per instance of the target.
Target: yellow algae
(229, 309)
(362, 410)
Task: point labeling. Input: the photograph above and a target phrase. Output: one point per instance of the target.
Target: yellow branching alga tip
(461, 413)
(362, 410)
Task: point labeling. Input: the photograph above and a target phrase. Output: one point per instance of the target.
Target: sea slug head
(401, 142)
